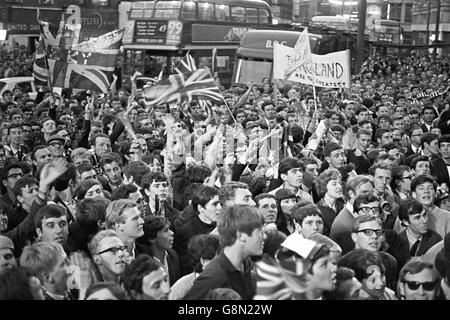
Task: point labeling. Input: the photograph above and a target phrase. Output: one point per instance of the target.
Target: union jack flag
(184, 87)
(40, 68)
(85, 65)
(187, 64)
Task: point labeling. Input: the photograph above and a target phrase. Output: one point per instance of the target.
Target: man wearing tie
(417, 234)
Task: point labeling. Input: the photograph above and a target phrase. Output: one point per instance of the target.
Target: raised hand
(52, 170)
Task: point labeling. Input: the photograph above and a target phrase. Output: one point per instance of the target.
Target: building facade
(424, 17)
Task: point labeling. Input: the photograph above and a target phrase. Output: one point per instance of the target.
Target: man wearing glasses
(109, 255)
(418, 280)
(9, 175)
(368, 234)
(414, 148)
(56, 146)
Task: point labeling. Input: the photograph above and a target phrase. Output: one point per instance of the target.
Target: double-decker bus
(255, 53)
(159, 33)
(386, 31)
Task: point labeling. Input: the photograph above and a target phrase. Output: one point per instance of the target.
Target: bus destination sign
(151, 32)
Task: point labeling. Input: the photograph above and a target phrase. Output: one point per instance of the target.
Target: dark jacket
(192, 227)
(220, 273)
(173, 262)
(428, 240)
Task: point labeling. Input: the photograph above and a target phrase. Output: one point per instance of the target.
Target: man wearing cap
(55, 145)
(7, 259)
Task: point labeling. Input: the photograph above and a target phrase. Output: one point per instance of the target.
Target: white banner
(329, 70)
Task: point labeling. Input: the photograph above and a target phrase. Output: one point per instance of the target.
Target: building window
(408, 12)
(395, 12)
(102, 3)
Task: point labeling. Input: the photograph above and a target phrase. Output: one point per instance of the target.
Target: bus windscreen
(253, 71)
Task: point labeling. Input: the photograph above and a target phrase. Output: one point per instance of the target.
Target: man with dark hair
(423, 190)
(267, 204)
(130, 192)
(383, 137)
(428, 115)
(240, 230)
(25, 191)
(420, 164)
(334, 157)
(91, 216)
(417, 235)
(269, 114)
(308, 219)
(111, 166)
(418, 280)
(157, 189)
(207, 207)
(65, 187)
(145, 279)
(134, 172)
(157, 241)
(362, 113)
(10, 174)
(290, 170)
(358, 156)
(51, 225)
(414, 134)
(15, 149)
(310, 175)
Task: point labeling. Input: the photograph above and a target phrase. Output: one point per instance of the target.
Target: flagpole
(47, 66)
(229, 110)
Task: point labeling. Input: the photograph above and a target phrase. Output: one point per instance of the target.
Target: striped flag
(86, 65)
(40, 68)
(184, 87)
(187, 64)
(287, 142)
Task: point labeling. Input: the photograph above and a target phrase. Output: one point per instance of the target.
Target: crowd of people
(270, 194)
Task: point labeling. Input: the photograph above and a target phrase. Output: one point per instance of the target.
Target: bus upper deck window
(148, 9)
(206, 11)
(167, 9)
(222, 12)
(237, 14)
(263, 16)
(189, 11)
(136, 13)
(251, 15)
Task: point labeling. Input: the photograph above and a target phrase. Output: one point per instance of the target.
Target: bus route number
(174, 35)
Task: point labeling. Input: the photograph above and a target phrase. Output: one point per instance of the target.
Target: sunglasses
(427, 286)
(114, 250)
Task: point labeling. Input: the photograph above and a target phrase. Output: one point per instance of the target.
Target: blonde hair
(115, 210)
(42, 257)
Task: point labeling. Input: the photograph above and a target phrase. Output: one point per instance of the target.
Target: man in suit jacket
(428, 115)
(414, 134)
(158, 238)
(417, 234)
